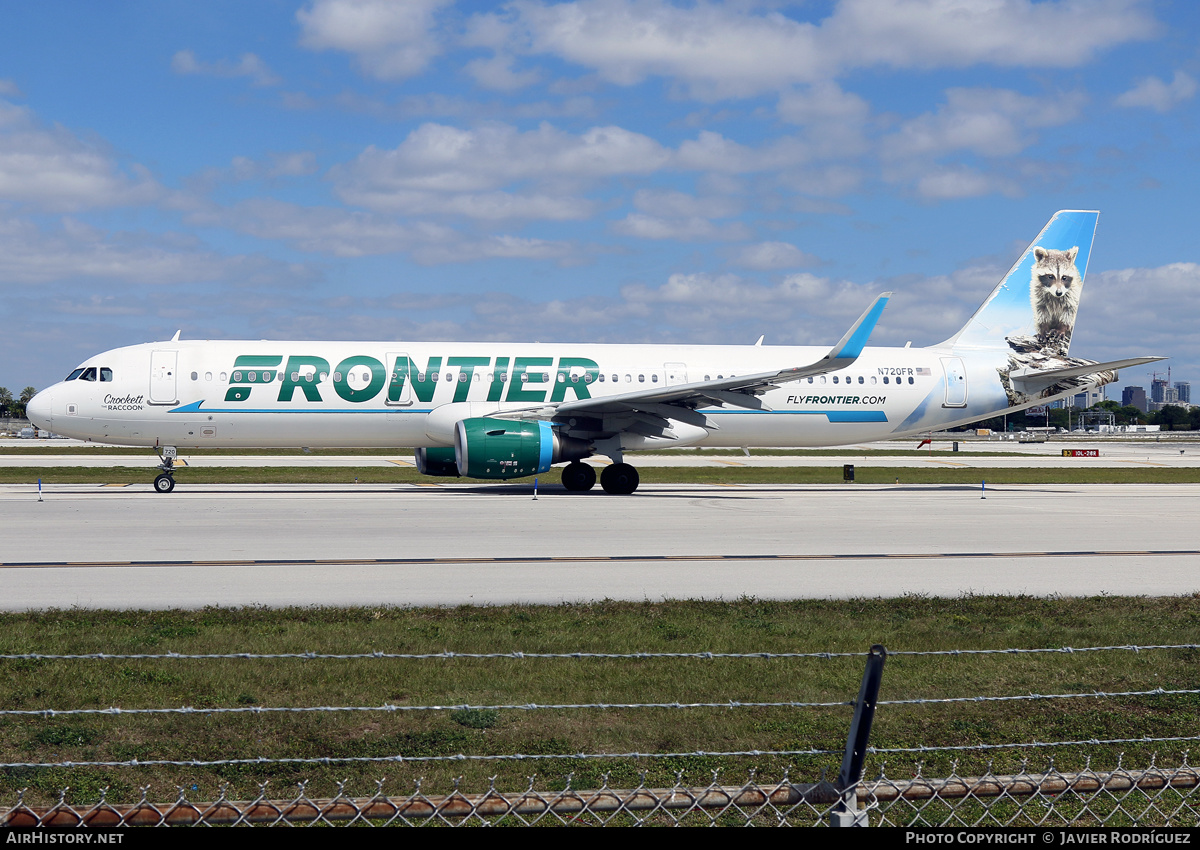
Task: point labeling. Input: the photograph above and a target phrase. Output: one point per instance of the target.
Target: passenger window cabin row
(103, 373)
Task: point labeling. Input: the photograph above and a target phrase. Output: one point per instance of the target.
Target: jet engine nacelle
(506, 448)
(437, 461)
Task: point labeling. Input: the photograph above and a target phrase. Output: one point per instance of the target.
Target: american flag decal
(921, 370)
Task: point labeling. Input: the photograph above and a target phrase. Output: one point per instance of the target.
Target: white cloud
(948, 183)
(497, 74)
(717, 49)
(961, 33)
(769, 256)
(52, 169)
(495, 247)
(349, 233)
(836, 121)
(8, 88)
(672, 204)
(987, 122)
(801, 309)
(33, 255)
(824, 181)
(740, 50)
(1149, 307)
(391, 40)
(248, 65)
(466, 167)
(294, 164)
(713, 152)
(822, 103)
(993, 124)
(483, 206)
(327, 230)
(1153, 93)
(692, 229)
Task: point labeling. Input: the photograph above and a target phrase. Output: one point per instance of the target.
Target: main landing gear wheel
(620, 479)
(164, 483)
(578, 476)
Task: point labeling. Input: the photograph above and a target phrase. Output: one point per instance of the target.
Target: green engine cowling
(506, 448)
(437, 461)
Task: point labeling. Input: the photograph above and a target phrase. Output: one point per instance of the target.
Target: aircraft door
(162, 377)
(399, 384)
(676, 373)
(956, 382)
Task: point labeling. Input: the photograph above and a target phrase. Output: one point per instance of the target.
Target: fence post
(846, 812)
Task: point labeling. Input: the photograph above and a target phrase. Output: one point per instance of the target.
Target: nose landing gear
(165, 482)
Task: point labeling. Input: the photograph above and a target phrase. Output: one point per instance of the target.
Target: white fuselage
(347, 394)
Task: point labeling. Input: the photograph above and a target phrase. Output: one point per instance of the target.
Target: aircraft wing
(680, 401)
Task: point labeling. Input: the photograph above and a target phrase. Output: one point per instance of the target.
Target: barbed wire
(462, 757)
(532, 706)
(423, 656)
(1018, 697)
(398, 759)
(1092, 742)
(388, 708)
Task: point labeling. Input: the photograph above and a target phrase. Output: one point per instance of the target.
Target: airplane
(502, 410)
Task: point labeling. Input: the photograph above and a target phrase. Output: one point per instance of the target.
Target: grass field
(907, 624)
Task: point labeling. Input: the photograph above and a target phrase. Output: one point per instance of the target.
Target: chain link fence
(1149, 796)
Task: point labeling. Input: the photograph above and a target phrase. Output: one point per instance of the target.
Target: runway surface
(276, 545)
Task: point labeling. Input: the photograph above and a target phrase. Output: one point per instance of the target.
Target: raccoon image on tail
(1054, 291)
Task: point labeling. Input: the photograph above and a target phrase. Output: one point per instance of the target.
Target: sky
(587, 171)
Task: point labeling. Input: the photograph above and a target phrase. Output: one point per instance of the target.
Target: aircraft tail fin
(1034, 307)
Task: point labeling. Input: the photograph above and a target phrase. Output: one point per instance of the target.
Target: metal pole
(846, 812)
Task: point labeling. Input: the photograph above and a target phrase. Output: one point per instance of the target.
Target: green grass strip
(746, 625)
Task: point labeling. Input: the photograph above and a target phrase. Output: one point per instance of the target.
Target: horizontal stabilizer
(1033, 381)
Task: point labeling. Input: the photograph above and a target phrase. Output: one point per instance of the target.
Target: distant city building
(1134, 397)
(1087, 398)
(1162, 394)
(1183, 390)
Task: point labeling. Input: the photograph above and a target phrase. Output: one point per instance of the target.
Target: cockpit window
(74, 375)
(89, 374)
(105, 373)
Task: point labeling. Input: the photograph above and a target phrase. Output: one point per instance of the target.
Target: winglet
(855, 340)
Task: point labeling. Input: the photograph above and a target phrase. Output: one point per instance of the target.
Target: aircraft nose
(38, 410)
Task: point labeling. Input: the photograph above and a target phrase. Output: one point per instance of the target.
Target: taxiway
(280, 545)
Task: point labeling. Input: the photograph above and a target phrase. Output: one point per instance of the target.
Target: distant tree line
(1170, 418)
(14, 408)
